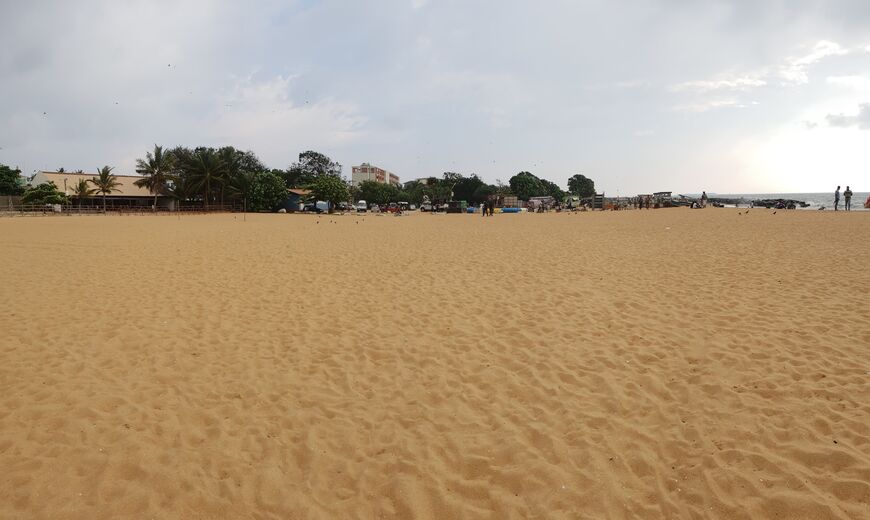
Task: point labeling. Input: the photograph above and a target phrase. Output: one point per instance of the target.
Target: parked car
(392, 207)
(425, 206)
(361, 206)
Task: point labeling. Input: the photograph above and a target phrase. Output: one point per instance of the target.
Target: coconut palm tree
(205, 168)
(105, 182)
(241, 184)
(180, 189)
(82, 190)
(232, 167)
(157, 169)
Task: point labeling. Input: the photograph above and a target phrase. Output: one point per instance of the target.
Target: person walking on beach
(847, 197)
(483, 209)
(703, 199)
(836, 198)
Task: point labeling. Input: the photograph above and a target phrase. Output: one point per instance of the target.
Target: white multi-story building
(367, 172)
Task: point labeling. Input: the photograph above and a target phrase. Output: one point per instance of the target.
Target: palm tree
(240, 186)
(82, 190)
(105, 182)
(205, 168)
(232, 167)
(157, 170)
(180, 189)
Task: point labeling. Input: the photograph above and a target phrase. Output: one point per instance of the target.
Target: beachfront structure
(367, 172)
(296, 198)
(128, 195)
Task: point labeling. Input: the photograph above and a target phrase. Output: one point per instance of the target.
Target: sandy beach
(641, 364)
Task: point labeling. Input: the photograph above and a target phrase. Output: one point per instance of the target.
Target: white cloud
(794, 71)
(733, 83)
(261, 116)
(861, 83)
(706, 106)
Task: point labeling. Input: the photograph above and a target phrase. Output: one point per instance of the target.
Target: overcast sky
(642, 95)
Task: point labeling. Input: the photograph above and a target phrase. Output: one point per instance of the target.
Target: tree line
(470, 188)
(210, 176)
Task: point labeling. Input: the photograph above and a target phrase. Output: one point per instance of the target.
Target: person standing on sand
(836, 198)
(847, 196)
(703, 199)
(483, 209)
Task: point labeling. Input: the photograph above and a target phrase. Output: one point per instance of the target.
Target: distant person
(836, 198)
(703, 199)
(483, 209)
(847, 197)
(491, 206)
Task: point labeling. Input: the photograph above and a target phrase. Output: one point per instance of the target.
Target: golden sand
(643, 364)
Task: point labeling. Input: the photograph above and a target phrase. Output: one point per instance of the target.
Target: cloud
(860, 119)
(706, 106)
(861, 83)
(487, 86)
(260, 115)
(794, 71)
(733, 83)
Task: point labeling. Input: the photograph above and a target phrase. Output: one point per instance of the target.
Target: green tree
(329, 188)
(414, 192)
(82, 190)
(483, 192)
(465, 188)
(205, 169)
(11, 182)
(232, 167)
(552, 189)
(378, 192)
(181, 189)
(105, 183)
(240, 186)
(157, 169)
(268, 191)
(581, 186)
(45, 193)
(311, 165)
(525, 186)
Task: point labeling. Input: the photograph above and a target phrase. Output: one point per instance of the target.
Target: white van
(361, 206)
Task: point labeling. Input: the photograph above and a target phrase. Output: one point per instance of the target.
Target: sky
(741, 96)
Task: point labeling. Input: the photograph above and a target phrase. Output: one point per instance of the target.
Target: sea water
(815, 200)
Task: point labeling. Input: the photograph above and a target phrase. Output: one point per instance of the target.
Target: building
(296, 198)
(367, 172)
(128, 194)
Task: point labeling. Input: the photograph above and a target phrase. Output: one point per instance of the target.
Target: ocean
(815, 200)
